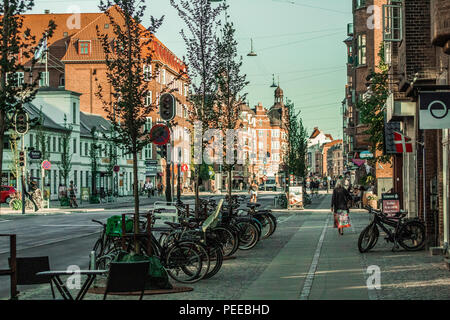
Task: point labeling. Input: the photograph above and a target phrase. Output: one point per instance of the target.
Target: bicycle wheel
(411, 236)
(367, 238)
(267, 226)
(215, 253)
(98, 248)
(248, 235)
(274, 220)
(183, 262)
(228, 240)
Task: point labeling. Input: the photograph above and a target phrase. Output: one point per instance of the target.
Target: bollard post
(149, 234)
(124, 247)
(92, 260)
(12, 247)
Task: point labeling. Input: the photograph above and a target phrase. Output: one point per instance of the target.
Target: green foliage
(297, 143)
(17, 48)
(204, 172)
(371, 108)
(65, 166)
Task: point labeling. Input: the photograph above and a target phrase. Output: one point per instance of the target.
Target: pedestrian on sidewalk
(73, 195)
(340, 206)
(253, 190)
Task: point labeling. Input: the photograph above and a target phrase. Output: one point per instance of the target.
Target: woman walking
(340, 208)
(253, 192)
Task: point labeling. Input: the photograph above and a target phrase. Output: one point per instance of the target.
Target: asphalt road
(67, 238)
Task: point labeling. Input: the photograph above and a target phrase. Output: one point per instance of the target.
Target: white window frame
(147, 71)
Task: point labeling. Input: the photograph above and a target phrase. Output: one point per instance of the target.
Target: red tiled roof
(89, 32)
(315, 133)
(332, 143)
(37, 23)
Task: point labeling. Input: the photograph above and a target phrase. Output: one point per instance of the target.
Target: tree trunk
(230, 172)
(197, 194)
(136, 200)
(2, 134)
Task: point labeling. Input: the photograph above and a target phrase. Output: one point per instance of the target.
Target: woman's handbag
(344, 220)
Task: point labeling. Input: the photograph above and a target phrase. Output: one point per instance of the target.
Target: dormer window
(84, 47)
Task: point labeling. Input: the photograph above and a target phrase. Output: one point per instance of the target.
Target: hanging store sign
(434, 110)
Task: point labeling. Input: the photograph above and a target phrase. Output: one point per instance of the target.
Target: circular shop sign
(438, 109)
(46, 165)
(160, 134)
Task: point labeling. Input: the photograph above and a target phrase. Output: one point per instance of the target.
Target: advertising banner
(295, 198)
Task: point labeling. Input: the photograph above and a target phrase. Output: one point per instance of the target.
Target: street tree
(127, 49)
(201, 20)
(371, 108)
(231, 83)
(65, 165)
(17, 54)
(297, 143)
(42, 138)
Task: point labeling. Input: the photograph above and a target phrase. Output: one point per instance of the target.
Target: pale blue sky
(298, 40)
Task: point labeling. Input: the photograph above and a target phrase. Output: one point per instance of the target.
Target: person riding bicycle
(339, 203)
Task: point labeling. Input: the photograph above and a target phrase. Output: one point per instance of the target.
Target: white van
(271, 184)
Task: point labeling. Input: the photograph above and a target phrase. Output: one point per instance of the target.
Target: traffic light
(21, 121)
(22, 158)
(162, 151)
(167, 107)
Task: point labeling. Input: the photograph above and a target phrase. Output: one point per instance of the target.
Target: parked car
(5, 193)
(271, 184)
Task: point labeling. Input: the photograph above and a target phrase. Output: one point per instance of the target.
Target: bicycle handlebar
(99, 222)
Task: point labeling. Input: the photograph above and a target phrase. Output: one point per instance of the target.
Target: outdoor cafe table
(61, 286)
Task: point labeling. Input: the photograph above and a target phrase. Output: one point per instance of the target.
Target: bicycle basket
(114, 226)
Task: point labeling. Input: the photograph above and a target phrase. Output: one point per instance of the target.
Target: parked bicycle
(409, 233)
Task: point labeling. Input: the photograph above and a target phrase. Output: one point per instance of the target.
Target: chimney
(47, 11)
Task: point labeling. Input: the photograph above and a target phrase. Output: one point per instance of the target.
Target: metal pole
(13, 266)
(424, 189)
(23, 175)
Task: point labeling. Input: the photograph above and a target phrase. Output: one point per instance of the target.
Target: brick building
(364, 40)
(76, 62)
(420, 59)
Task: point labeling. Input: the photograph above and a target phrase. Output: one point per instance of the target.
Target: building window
(148, 99)
(31, 140)
(85, 47)
(43, 80)
(74, 145)
(59, 144)
(54, 144)
(86, 149)
(65, 34)
(74, 113)
(147, 72)
(359, 4)
(163, 76)
(361, 44)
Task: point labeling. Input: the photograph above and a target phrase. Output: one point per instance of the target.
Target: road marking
(4, 220)
(68, 225)
(312, 269)
(372, 293)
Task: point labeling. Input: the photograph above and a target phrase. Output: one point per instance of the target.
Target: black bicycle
(409, 233)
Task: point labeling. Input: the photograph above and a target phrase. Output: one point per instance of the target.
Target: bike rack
(12, 271)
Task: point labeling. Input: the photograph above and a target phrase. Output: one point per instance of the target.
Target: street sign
(160, 134)
(116, 169)
(391, 203)
(46, 165)
(184, 168)
(150, 163)
(366, 155)
(35, 155)
(434, 110)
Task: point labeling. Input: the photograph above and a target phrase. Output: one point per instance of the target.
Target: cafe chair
(127, 277)
(26, 269)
